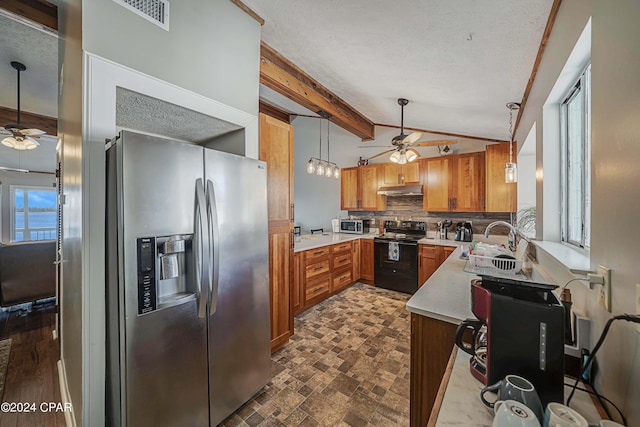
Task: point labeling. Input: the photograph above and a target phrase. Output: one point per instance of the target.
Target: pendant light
(318, 166)
(19, 137)
(511, 169)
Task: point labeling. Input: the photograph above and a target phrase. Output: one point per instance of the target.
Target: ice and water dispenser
(165, 272)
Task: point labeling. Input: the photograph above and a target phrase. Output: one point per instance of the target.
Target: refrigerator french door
(187, 282)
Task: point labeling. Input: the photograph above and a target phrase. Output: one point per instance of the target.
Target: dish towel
(394, 251)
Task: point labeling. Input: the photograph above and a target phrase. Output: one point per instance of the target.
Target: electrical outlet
(638, 303)
(604, 297)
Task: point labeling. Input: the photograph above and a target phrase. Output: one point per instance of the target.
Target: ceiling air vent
(156, 11)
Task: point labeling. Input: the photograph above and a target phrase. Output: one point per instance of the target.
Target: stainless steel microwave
(354, 226)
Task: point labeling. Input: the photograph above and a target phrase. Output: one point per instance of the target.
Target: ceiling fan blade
(435, 143)
(32, 132)
(376, 146)
(381, 154)
(411, 138)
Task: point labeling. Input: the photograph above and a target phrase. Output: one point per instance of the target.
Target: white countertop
(446, 295)
(461, 405)
(312, 241)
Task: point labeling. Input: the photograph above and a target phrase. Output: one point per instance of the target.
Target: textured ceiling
(458, 62)
(38, 51)
(147, 114)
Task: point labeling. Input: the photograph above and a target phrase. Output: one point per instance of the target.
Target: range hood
(401, 190)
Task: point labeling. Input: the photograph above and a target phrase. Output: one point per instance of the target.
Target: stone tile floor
(346, 365)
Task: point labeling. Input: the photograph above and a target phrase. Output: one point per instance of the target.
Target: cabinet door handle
(318, 268)
(292, 211)
(455, 203)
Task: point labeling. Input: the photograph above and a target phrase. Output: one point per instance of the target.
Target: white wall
(317, 199)
(527, 171)
(615, 131)
(212, 50)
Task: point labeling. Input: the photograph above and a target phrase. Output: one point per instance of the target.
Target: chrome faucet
(513, 232)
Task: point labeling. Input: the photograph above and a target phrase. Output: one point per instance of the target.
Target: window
(575, 122)
(33, 213)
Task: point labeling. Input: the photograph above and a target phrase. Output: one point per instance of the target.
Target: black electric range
(396, 255)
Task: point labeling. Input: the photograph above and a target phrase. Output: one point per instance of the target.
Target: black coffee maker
(464, 232)
(519, 330)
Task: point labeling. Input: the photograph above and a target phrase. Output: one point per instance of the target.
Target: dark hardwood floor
(32, 375)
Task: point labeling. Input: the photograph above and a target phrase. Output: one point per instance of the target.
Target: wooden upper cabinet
(454, 183)
(276, 148)
(435, 176)
(500, 196)
(407, 174)
(349, 194)
(370, 180)
(469, 182)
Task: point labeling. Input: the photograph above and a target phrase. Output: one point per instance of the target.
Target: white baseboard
(69, 416)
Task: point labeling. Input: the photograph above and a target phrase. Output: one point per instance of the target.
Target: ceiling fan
(20, 137)
(403, 146)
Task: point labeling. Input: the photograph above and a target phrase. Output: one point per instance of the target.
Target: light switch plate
(604, 298)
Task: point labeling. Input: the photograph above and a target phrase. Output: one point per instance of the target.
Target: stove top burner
(406, 231)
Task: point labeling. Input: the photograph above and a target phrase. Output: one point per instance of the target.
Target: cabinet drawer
(316, 253)
(341, 260)
(428, 251)
(341, 280)
(340, 247)
(316, 288)
(316, 269)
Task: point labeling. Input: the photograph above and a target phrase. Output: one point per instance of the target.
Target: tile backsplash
(410, 208)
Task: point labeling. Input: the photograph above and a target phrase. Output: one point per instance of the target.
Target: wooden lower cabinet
(431, 343)
(296, 280)
(428, 262)
(279, 272)
(355, 260)
(321, 272)
(366, 261)
(430, 258)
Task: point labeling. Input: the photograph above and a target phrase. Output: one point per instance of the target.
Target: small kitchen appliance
(464, 232)
(524, 334)
(355, 226)
(443, 229)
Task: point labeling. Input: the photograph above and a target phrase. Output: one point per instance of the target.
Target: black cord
(599, 396)
(603, 335)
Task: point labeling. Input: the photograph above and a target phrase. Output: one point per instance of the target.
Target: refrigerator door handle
(200, 246)
(212, 219)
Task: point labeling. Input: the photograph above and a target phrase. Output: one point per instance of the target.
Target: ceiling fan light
(412, 155)
(510, 173)
(311, 167)
(395, 157)
(336, 172)
(9, 142)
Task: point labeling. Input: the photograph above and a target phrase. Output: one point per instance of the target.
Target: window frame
(12, 210)
(582, 85)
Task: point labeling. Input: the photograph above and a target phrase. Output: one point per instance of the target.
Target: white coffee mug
(558, 415)
(510, 413)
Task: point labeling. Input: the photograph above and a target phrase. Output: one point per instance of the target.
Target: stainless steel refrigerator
(187, 282)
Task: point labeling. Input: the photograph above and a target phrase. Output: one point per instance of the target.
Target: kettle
(464, 232)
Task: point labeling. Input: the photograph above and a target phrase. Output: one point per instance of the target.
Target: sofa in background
(27, 272)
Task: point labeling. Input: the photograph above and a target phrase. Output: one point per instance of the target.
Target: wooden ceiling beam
(30, 120)
(275, 112)
(281, 75)
(457, 135)
(42, 12)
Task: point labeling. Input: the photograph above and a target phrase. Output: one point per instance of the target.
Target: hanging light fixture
(19, 137)
(511, 169)
(316, 164)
